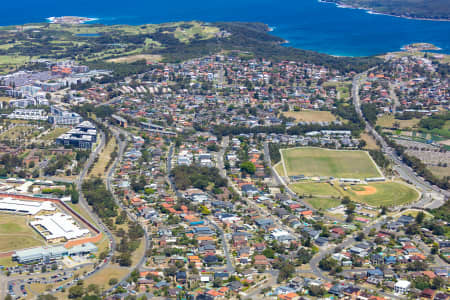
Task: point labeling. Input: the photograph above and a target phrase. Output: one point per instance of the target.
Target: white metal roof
(59, 226)
(27, 207)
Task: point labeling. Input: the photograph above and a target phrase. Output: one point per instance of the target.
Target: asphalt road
(229, 266)
(122, 146)
(403, 170)
(347, 242)
(87, 208)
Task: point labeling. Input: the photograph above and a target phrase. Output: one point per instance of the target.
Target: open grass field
(323, 203)
(311, 116)
(440, 171)
(103, 159)
(382, 193)
(102, 277)
(138, 253)
(17, 132)
(311, 161)
(371, 144)
(136, 57)
(279, 168)
(389, 120)
(342, 88)
(314, 189)
(7, 262)
(54, 133)
(16, 234)
(13, 59)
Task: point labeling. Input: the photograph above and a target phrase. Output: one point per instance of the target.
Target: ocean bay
(306, 24)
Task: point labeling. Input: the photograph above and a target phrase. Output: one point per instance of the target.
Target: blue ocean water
(306, 24)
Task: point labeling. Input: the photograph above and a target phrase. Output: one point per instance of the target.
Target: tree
(170, 271)
(269, 253)
(125, 259)
(112, 281)
(350, 208)
(93, 288)
(74, 196)
(328, 264)
(286, 271)
(248, 167)
(360, 237)
(437, 282)
(420, 217)
(217, 282)
(46, 297)
(421, 282)
(316, 290)
(304, 256)
(76, 291)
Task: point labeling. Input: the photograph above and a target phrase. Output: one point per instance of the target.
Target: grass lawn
(7, 262)
(17, 132)
(136, 57)
(323, 203)
(440, 172)
(138, 253)
(387, 194)
(103, 244)
(371, 144)
(15, 233)
(102, 277)
(311, 116)
(103, 159)
(342, 88)
(414, 213)
(389, 120)
(77, 207)
(54, 133)
(314, 189)
(279, 168)
(311, 161)
(13, 59)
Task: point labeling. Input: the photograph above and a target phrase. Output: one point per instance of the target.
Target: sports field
(311, 116)
(389, 193)
(310, 161)
(314, 189)
(16, 234)
(382, 193)
(323, 203)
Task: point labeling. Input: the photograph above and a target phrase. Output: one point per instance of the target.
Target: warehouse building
(47, 254)
(58, 227)
(9, 204)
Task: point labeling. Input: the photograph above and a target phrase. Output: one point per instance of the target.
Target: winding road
(122, 147)
(402, 169)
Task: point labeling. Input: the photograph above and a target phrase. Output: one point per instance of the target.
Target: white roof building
(9, 204)
(402, 287)
(281, 235)
(58, 226)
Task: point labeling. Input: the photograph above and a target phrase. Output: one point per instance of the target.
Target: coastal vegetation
(100, 45)
(433, 9)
